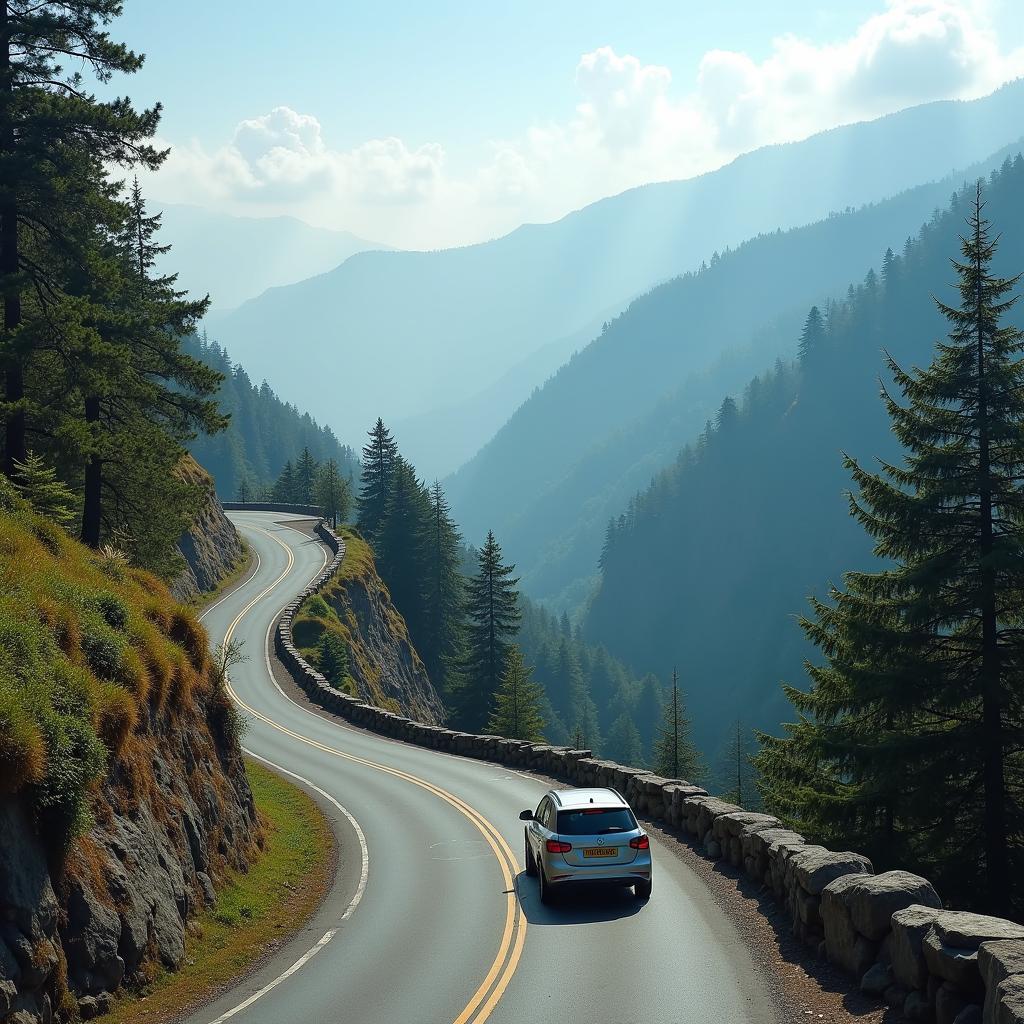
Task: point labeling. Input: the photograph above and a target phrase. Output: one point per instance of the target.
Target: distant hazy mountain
(409, 333)
(236, 258)
(621, 409)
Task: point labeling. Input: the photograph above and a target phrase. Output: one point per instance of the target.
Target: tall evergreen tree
(401, 545)
(909, 740)
(812, 337)
(135, 380)
(379, 456)
(332, 493)
(492, 609)
(675, 756)
(623, 743)
(444, 595)
(54, 135)
(305, 478)
(574, 695)
(736, 777)
(285, 489)
(517, 702)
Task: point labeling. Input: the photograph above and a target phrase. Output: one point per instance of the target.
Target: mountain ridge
(447, 324)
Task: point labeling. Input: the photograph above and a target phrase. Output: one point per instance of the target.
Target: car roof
(567, 799)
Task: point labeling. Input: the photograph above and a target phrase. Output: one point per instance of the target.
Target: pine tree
(332, 493)
(736, 778)
(135, 379)
(675, 756)
(305, 478)
(517, 702)
(623, 743)
(444, 594)
(812, 337)
(908, 743)
(54, 136)
(285, 488)
(379, 456)
(401, 545)
(332, 658)
(574, 696)
(245, 491)
(40, 486)
(492, 609)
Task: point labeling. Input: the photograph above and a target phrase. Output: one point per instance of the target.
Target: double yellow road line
(510, 949)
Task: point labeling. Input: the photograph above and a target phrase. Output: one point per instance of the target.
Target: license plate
(601, 851)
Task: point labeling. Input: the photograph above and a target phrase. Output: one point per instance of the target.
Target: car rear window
(595, 821)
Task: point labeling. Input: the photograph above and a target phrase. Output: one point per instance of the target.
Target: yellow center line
(510, 949)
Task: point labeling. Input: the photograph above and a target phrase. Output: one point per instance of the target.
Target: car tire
(642, 890)
(531, 864)
(547, 897)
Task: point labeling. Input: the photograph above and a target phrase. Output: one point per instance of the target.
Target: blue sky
(435, 123)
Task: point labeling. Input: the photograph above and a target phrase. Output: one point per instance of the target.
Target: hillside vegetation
(617, 413)
(262, 434)
(116, 741)
(709, 567)
(91, 649)
(355, 613)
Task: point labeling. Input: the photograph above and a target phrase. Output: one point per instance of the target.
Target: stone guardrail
(888, 931)
(272, 506)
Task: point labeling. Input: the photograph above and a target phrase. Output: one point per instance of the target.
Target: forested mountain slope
(426, 330)
(620, 410)
(238, 258)
(710, 566)
(263, 432)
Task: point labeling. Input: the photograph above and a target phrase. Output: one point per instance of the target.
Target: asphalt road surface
(431, 919)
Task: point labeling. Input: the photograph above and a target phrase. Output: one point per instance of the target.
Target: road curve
(430, 919)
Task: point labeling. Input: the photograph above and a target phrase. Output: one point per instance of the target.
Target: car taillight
(640, 843)
(557, 846)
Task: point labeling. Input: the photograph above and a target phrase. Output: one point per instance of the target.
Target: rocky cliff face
(165, 831)
(212, 548)
(384, 668)
(123, 796)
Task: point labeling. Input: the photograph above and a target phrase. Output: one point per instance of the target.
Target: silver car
(586, 835)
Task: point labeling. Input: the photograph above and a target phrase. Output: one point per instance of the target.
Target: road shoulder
(255, 914)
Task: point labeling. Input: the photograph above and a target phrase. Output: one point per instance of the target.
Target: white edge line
(364, 853)
(357, 896)
(241, 586)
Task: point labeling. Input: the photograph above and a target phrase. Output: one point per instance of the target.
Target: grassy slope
(254, 911)
(90, 649)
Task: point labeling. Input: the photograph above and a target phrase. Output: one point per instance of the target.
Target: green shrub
(332, 658)
(112, 608)
(317, 607)
(101, 646)
(75, 757)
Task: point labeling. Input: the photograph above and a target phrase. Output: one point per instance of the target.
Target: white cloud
(632, 123)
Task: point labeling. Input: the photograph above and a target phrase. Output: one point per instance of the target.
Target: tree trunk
(15, 449)
(92, 504)
(997, 862)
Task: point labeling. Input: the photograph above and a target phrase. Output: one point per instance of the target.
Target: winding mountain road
(431, 919)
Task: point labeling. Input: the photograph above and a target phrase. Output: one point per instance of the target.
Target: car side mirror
(526, 815)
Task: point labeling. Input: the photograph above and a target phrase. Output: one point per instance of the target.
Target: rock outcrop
(212, 548)
(384, 668)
